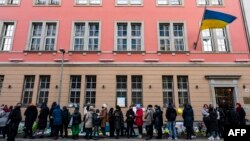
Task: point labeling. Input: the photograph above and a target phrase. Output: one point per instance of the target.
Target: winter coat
(149, 117)
(213, 123)
(130, 115)
(103, 117)
(158, 119)
(30, 115)
(66, 116)
(111, 117)
(43, 117)
(3, 118)
(76, 118)
(232, 117)
(88, 120)
(95, 119)
(15, 116)
(57, 116)
(118, 119)
(171, 114)
(188, 116)
(242, 114)
(139, 117)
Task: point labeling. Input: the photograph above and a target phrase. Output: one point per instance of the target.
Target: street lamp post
(61, 75)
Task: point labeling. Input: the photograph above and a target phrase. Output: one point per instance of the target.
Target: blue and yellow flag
(214, 19)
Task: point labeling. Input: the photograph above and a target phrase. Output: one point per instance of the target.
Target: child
(96, 123)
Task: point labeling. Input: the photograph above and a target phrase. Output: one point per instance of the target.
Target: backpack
(95, 119)
(76, 119)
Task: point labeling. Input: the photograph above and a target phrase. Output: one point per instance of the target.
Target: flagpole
(197, 40)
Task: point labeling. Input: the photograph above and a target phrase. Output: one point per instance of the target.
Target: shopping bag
(34, 127)
(70, 122)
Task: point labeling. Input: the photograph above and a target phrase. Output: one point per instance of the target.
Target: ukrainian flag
(214, 19)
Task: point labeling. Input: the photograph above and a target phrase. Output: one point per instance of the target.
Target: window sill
(88, 5)
(80, 52)
(47, 5)
(171, 52)
(130, 52)
(217, 6)
(39, 51)
(10, 5)
(125, 5)
(167, 5)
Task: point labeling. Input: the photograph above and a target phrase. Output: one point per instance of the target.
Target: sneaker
(217, 138)
(175, 138)
(140, 136)
(193, 137)
(211, 138)
(169, 138)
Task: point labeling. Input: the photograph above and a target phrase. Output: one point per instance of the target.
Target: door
(224, 96)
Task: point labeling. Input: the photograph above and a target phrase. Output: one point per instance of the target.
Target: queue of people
(95, 120)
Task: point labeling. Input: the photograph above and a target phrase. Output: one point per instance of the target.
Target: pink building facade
(121, 52)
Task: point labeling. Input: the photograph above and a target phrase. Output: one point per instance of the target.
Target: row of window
(118, 2)
(129, 36)
(75, 89)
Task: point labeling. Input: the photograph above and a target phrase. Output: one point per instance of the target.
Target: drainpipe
(245, 25)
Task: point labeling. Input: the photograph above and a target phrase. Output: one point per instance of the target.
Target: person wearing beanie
(103, 118)
(241, 113)
(76, 121)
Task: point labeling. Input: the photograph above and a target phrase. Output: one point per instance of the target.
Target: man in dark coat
(111, 122)
(30, 117)
(51, 118)
(171, 115)
(66, 119)
(15, 118)
(188, 116)
(158, 121)
(118, 120)
(241, 113)
(231, 118)
(130, 121)
(43, 118)
(57, 120)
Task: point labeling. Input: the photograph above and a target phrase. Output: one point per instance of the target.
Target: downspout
(245, 25)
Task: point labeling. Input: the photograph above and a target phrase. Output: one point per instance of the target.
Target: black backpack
(76, 119)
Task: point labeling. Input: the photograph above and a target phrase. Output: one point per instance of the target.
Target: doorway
(224, 96)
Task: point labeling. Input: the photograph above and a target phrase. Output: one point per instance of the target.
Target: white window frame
(129, 36)
(43, 36)
(86, 36)
(10, 2)
(128, 3)
(136, 90)
(92, 89)
(214, 41)
(167, 89)
(45, 80)
(210, 2)
(122, 89)
(169, 3)
(182, 90)
(47, 3)
(172, 37)
(30, 90)
(2, 37)
(1, 83)
(88, 3)
(75, 90)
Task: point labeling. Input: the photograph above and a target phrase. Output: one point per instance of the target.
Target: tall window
(1, 83)
(169, 2)
(43, 36)
(88, 2)
(90, 94)
(6, 36)
(86, 36)
(129, 2)
(129, 37)
(9, 2)
(183, 90)
(43, 91)
(28, 87)
(215, 40)
(47, 2)
(121, 90)
(168, 90)
(172, 37)
(210, 2)
(137, 89)
(75, 89)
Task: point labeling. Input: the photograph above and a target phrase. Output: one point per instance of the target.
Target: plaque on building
(246, 100)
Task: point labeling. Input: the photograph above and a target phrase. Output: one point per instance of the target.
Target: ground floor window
(90, 93)
(121, 90)
(168, 90)
(28, 87)
(75, 89)
(136, 89)
(43, 91)
(183, 90)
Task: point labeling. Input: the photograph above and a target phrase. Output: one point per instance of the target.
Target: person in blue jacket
(57, 116)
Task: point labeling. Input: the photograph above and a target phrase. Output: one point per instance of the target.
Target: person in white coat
(3, 121)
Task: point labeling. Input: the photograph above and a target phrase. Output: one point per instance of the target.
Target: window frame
(2, 29)
(9, 3)
(183, 91)
(47, 3)
(1, 83)
(209, 3)
(129, 36)
(170, 4)
(75, 90)
(85, 37)
(29, 90)
(90, 90)
(47, 82)
(88, 3)
(124, 90)
(129, 3)
(42, 37)
(214, 41)
(136, 90)
(164, 90)
(172, 37)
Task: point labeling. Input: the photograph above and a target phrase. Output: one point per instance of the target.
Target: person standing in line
(89, 123)
(206, 119)
(14, 118)
(241, 113)
(96, 123)
(4, 114)
(76, 121)
(149, 122)
(188, 116)
(111, 122)
(232, 117)
(43, 118)
(57, 121)
(66, 119)
(171, 115)
(130, 121)
(214, 116)
(30, 117)
(118, 121)
(158, 121)
(139, 119)
(221, 121)
(103, 117)
(51, 120)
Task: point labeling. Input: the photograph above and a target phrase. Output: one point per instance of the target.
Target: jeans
(171, 128)
(214, 134)
(96, 131)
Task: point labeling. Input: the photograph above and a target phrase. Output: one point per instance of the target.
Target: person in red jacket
(139, 119)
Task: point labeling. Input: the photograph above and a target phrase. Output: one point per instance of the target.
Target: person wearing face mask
(149, 122)
(130, 121)
(14, 119)
(158, 121)
(139, 119)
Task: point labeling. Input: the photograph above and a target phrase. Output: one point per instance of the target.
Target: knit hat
(104, 105)
(138, 106)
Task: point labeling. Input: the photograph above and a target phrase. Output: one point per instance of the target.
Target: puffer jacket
(3, 118)
(149, 117)
(88, 120)
(57, 116)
